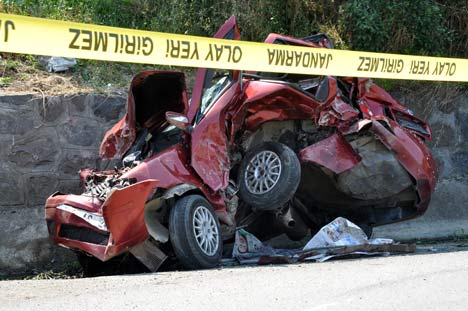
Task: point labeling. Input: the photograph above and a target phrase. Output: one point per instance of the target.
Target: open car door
(213, 92)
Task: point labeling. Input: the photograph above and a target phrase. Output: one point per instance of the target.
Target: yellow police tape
(20, 34)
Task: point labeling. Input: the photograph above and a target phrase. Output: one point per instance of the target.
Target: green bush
(257, 18)
(456, 18)
(399, 26)
(73, 10)
(428, 27)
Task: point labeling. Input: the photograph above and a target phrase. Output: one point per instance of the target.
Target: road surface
(436, 281)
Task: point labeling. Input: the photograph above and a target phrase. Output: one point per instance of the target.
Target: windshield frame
(204, 109)
(204, 76)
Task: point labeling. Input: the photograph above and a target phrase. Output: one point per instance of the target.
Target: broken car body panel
(123, 212)
(334, 153)
(122, 220)
(210, 152)
(413, 156)
(168, 88)
(209, 148)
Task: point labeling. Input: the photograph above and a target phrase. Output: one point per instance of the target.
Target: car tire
(269, 176)
(195, 233)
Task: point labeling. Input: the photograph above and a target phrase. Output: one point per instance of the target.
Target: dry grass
(19, 74)
(70, 270)
(51, 275)
(47, 85)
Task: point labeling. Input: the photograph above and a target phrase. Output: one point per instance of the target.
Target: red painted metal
(334, 153)
(413, 155)
(225, 31)
(323, 43)
(209, 142)
(210, 157)
(123, 212)
(265, 101)
(338, 114)
(168, 166)
(121, 136)
(118, 139)
(83, 202)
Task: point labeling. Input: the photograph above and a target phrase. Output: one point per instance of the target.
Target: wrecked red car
(273, 153)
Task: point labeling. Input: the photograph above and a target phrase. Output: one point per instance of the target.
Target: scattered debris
(340, 238)
(250, 250)
(57, 64)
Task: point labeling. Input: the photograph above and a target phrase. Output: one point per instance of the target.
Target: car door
(214, 91)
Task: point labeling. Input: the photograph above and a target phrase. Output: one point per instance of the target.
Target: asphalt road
(437, 281)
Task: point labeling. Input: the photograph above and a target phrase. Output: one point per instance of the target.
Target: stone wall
(44, 142)
(446, 111)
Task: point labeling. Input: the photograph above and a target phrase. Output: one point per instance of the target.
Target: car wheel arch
(155, 228)
(271, 130)
(180, 190)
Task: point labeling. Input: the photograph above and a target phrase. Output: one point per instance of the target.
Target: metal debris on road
(340, 238)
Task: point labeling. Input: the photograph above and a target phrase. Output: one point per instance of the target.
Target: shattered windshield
(213, 91)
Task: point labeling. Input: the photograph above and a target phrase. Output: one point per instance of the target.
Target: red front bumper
(101, 229)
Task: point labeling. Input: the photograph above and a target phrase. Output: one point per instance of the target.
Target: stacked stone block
(44, 142)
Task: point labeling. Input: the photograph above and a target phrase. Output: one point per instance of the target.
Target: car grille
(83, 235)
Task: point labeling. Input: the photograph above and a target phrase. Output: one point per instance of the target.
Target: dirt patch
(22, 74)
(46, 85)
(25, 74)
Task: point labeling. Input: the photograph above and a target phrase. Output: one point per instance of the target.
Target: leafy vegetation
(428, 27)
(395, 26)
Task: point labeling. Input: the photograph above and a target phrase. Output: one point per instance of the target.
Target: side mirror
(179, 120)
